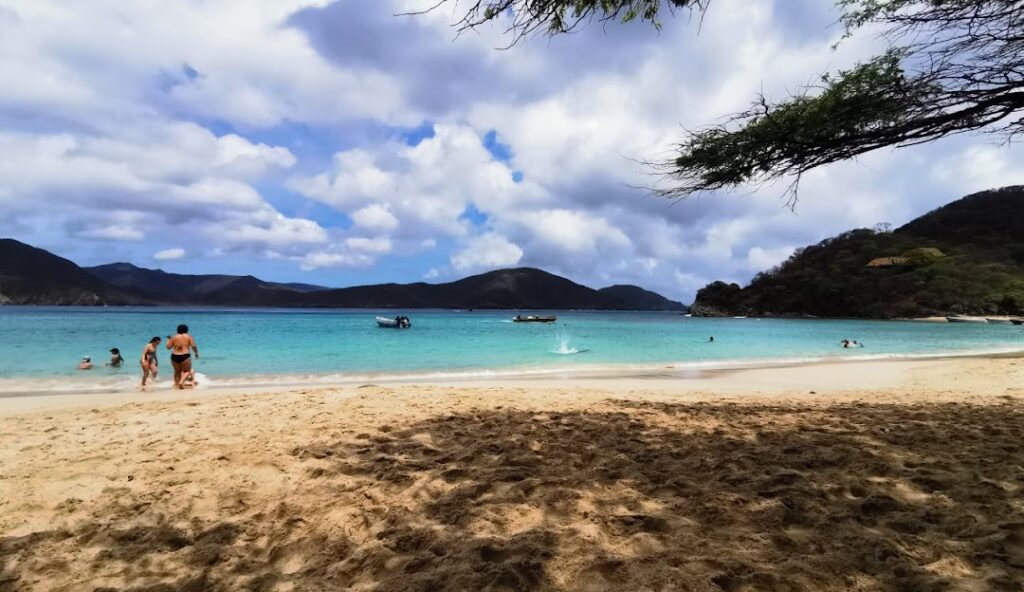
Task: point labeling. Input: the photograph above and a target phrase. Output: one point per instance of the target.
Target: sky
(340, 143)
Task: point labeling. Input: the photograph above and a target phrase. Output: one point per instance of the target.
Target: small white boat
(740, 317)
(965, 319)
(395, 323)
(998, 320)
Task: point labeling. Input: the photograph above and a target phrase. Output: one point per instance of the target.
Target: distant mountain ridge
(965, 257)
(33, 276)
(160, 286)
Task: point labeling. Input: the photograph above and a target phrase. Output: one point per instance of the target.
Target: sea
(40, 347)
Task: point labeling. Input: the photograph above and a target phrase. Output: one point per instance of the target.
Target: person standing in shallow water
(182, 345)
(148, 361)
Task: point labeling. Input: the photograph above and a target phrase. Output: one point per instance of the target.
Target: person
(182, 345)
(711, 339)
(149, 361)
(85, 364)
(189, 380)
(115, 358)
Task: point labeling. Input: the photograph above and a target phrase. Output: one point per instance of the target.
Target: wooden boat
(534, 319)
(965, 319)
(395, 323)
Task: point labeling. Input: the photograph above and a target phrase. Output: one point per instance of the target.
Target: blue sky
(333, 142)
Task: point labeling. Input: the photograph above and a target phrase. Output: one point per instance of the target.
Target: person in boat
(115, 358)
(148, 361)
(85, 364)
(182, 347)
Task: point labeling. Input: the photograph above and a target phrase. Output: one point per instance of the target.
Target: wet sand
(856, 476)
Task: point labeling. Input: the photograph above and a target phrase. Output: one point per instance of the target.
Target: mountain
(522, 288)
(636, 298)
(173, 288)
(33, 276)
(965, 257)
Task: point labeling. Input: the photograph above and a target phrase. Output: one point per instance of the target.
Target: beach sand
(854, 476)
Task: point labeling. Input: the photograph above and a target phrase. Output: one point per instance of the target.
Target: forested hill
(965, 257)
(33, 276)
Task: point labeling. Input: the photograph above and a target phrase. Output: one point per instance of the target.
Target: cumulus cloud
(486, 251)
(169, 254)
(135, 124)
(375, 217)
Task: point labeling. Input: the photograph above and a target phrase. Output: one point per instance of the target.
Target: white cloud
(486, 252)
(112, 232)
(103, 138)
(375, 217)
(321, 259)
(380, 245)
(761, 259)
(169, 254)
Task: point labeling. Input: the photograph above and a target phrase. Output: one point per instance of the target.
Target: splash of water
(563, 346)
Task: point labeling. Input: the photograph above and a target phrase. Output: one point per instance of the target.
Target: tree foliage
(967, 257)
(554, 17)
(952, 66)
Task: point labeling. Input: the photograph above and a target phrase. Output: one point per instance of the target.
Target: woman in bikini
(182, 345)
(148, 360)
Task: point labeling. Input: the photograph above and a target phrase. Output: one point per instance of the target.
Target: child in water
(115, 358)
(189, 380)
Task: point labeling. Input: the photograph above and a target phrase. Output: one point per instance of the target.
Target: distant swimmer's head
(86, 359)
(182, 329)
(155, 340)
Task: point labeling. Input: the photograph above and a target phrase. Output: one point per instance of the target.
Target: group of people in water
(183, 347)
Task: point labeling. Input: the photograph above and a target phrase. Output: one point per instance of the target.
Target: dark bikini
(179, 358)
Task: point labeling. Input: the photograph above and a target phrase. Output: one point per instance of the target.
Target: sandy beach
(853, 476)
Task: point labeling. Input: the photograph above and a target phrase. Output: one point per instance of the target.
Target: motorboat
(965, 319)
(534, 319)
(998, 320)
(1017, 321)
(398, 322)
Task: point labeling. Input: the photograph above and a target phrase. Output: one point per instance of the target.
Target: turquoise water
(40, 346)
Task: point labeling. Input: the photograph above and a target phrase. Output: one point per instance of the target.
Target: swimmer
(115, 358)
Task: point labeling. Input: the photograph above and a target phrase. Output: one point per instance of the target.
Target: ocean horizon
(249, 347)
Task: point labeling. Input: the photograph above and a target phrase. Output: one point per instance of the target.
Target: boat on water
(965, 319)
(534, 319)
(1017, 321)
(998, 320)
(740, 317)
(398, 322)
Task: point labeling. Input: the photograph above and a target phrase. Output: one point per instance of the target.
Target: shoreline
(757, 378)
(73, 385)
